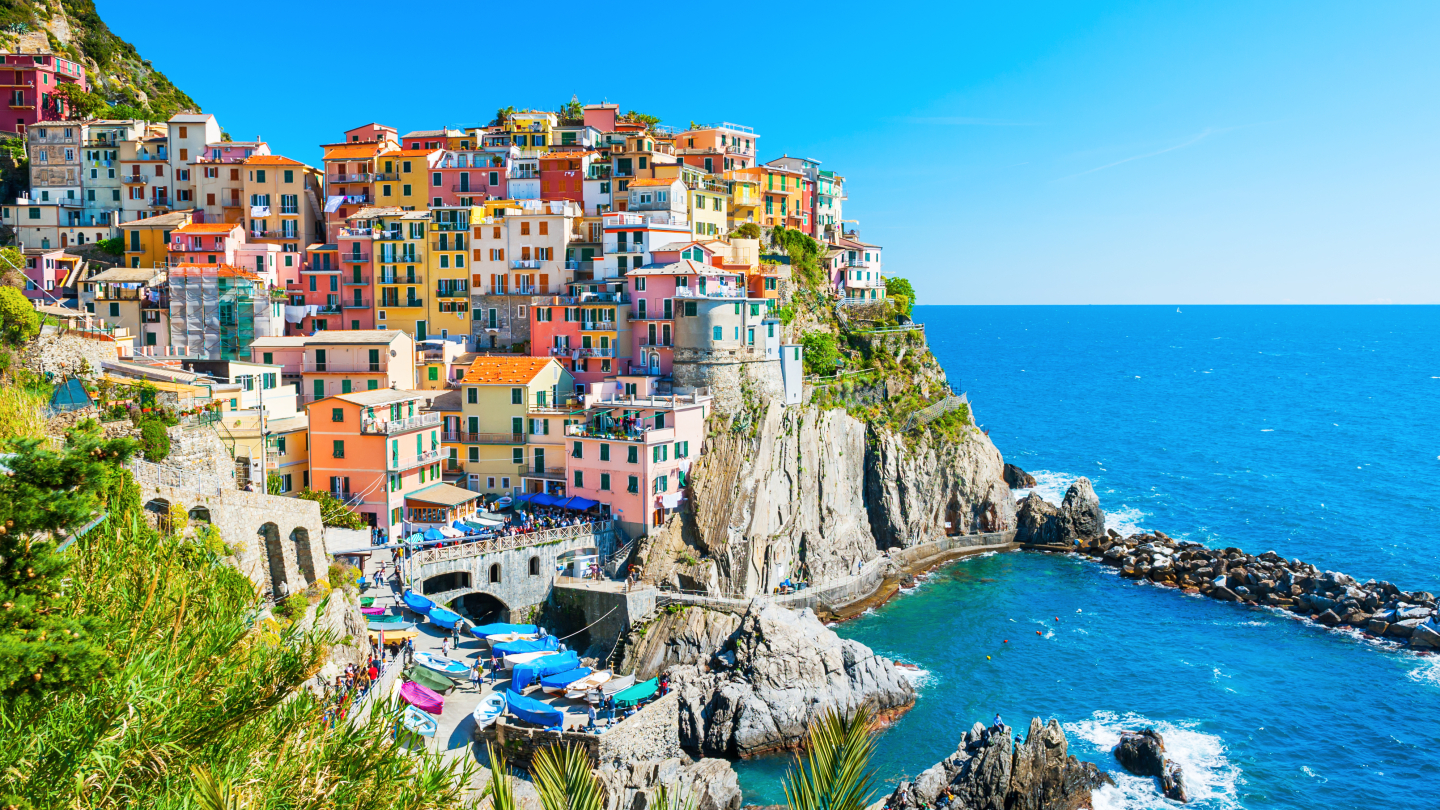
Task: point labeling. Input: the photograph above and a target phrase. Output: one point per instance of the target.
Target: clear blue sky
(1064, 152)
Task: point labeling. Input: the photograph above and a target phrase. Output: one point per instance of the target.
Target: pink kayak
(422, 698)
(373, 611)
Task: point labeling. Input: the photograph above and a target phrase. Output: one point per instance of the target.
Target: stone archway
(300, 538)
(482, 607)
(199, 514)
(269, 535)
(160, 508)
(441, 583)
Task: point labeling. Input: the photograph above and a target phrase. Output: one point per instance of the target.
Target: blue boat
(419, 721)
(416, 602)
(391, 627)
(533, 711)
(560, 680)
(524, 675)
(445, 666)
(485, 630)
(546, 644)
(444, 618)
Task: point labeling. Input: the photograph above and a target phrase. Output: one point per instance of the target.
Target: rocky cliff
(990, 771)
(706, 784)
(923, 485)
(777, 671)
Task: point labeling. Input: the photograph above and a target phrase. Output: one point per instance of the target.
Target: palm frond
(833, 773)
(498, 789)
(564, 779)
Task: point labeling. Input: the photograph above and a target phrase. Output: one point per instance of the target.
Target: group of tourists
(348, 688)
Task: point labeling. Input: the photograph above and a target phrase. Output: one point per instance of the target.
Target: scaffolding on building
(217, 311)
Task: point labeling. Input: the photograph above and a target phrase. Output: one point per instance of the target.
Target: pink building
(578, 330)
(31, 79)
(633, 450)
(471, 177)
(45, 272)
(206, 243)
(658, 293)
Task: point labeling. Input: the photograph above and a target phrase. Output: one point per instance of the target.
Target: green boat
(388, 618)
(367, 601)
(637, 693)
(433, 680)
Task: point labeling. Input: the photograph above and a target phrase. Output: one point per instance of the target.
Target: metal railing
(387, 427)
(526, 264)
(351, 178)
(343, 367)
(352, 304)
(507, 542)
(467, 437)
(406, 462)
(533, 471)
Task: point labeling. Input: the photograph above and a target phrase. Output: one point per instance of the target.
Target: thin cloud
(961, 121)
(1191, 141)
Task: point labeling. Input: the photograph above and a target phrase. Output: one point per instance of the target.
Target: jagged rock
(988, 771)
(1142, 752)
(1038, 521)
(1017, 478)
(708, 784)
(1082, 508)
(1425, 637)
(788, 668)
(1328, 618)
(1173, 783)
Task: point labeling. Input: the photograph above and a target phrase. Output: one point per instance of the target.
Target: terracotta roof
(654, 181)
(270, 160)
(351, 151)
(210, 227)
(505, 370)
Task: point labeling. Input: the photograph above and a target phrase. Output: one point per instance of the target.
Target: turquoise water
(1311, 431)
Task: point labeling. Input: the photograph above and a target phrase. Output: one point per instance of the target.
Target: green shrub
(342, 576)
(19, 322)
(154, 441)
(293, 606)
(821, 352)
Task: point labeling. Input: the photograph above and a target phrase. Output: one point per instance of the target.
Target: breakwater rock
(1017, 478)
(1143, 754)
(778, 670)
(1330, 598)
(990, 771)
(1040, 522)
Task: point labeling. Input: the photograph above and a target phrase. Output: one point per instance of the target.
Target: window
(718, 333)
(472, 396)
(579, 479)
(517, 396)
(517, 456)
(633, 457)
(578, 450)
(475, 456)
(544, 228)
(604, 452)
(114, 310)
(495, 572)
(339, 449)
(634, 484)
(605, 481)
(436, 179)
(405, 190)
(336, 414)
(259, 175)
(534, 566)
(289, 175)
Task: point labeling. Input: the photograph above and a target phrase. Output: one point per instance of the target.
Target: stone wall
(653, 733)
(521, 743)
(728, 373)
(607, 612)
(510, 328)
(69, 355)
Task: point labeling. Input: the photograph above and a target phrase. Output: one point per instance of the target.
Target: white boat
(582, 687)
(504, 637)
(448, 667)
(525, 658)
(420, 722)
(490, 708)
(614, 686)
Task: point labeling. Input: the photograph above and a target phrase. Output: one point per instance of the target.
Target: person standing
(494, 667)
(475, 676)
(591, 713)
(445, 646)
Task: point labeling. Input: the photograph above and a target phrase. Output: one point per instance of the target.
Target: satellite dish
(393, 353)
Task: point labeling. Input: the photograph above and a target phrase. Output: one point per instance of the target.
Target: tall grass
(196, 704)
(22, 413)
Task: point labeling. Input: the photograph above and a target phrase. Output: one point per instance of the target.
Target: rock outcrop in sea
(1040, 522)
(778, 669)
(705, 784)
(1143, 754)
(990, 771)
(1329, 598)
(1017, 478)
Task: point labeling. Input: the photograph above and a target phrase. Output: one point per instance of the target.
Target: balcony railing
(353, 258)
(390, 176)
(391, 235)
(444, 292)
(466, 437)
(134, 178)
(395, 278)
(329, 309)
(357, 233)
(637, 315)
(659, 342)
(344, 367)
(598, 326)
(353, 304)
(389, 427)
(406, 462)
(534, 471)
(465, 188)
(582, 352)
(526, 264)
(363, 177)
(712, 292)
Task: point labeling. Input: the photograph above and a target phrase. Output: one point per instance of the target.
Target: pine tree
(45, 495)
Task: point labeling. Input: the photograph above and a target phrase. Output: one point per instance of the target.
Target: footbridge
(517, 571)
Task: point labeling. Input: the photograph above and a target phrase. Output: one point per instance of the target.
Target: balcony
(408, 303)
(407, 462)
(597, 326)
(526, 264)
(569, 352)
(389, 427)
(534, 471)
(329, 309)
(464, 188)
(388, 235)
(444, 292)
(363, 281)
(712, 292)
(353, 258)
(353, 304)
(615, 432)
(134, 178)
(658, 343)
(356, 233)
(465, 437)
(637, 315)
(397, 278)
(343, 366)
(385, 176)
(363, 177)
(231, 203)
(274, 235)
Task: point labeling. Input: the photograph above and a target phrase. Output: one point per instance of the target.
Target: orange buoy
(1006, 641)
(1037, 632)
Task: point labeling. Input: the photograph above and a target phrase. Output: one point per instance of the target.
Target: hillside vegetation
(125, 84)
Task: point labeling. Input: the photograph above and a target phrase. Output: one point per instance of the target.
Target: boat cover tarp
(422, 697)
(563, 679)
(390, 626)
(533, 711)
(483, 630)
(637, 693)
(443, 617)
(525, 646)
(416, 602)
(524, 675)
(432, 680)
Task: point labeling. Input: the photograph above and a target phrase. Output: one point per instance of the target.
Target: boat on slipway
(448, 667)
(580, 689)
(416, 602)
(491, 707)
(419, 721)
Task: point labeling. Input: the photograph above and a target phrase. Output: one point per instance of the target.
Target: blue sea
(1312, 431)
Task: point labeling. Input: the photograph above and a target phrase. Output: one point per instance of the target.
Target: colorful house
(206, 243)
(147, 241)
(32, 80)
(718, 148)
(502, 447)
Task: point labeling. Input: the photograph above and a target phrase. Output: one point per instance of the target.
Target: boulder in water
(1142, 752)
(1082, 509)
(1039, 522)
(1017, 478)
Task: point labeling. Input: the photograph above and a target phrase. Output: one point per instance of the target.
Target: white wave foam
(918, 678)
(1052, 486)
(1209, 775)
(1428, 671)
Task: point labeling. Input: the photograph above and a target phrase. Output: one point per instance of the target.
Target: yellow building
(510, 410)
(448, 305)
(147, 241)
(531, 130)
(745, 197)
(403, 179)
(283, 202)
(400, 261)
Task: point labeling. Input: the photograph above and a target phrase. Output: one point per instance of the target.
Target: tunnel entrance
(482, 608)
